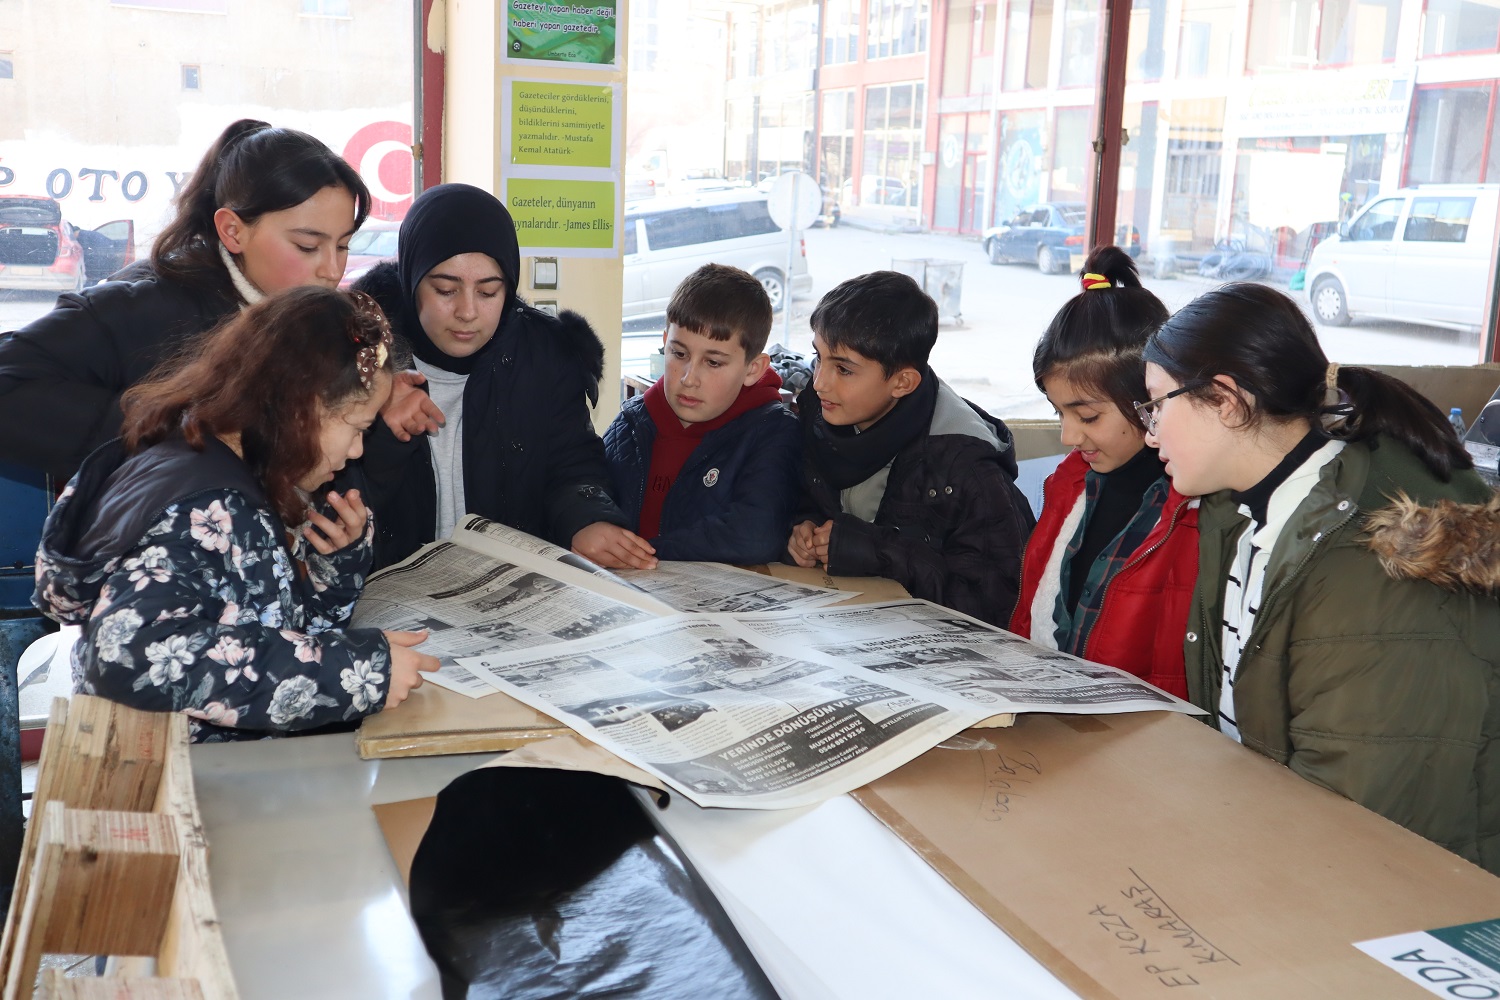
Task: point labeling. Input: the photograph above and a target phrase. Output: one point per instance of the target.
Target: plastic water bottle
(1456, 421)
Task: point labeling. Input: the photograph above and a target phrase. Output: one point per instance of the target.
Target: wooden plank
(57, 986)
(118, 877)
(35, 910)
(102, 883)
(49, 767)
(193, 946)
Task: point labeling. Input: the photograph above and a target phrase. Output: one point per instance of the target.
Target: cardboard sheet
(1135, 855)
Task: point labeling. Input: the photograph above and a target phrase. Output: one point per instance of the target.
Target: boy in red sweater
(706, 462)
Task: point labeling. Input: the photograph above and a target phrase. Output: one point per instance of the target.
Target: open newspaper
(783, 709)
(489, 587)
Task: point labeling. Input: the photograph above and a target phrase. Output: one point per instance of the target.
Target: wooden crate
(114, 861)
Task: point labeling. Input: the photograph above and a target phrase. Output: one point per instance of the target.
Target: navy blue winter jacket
(733, 500)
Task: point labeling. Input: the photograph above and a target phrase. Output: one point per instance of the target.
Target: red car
(41, 252)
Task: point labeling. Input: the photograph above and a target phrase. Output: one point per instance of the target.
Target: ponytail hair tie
(1092, 281)
(1337, 406)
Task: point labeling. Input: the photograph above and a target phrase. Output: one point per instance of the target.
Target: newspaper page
(724, 721)
(473, 602)
(707, 587)
(938, 649)
(680, 586)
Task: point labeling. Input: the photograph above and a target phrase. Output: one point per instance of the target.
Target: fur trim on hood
(1454, 545)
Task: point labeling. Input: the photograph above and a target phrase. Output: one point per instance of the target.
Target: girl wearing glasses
(1344, 622)
(1110, 567)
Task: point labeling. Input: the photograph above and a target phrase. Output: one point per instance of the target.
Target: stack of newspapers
(734, 688)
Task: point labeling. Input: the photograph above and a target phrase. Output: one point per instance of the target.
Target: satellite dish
(794, 200)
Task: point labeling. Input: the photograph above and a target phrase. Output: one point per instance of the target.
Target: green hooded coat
(1374, 665)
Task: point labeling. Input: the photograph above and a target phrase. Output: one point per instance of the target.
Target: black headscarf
(443, 222)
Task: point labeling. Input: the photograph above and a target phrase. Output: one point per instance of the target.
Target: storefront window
(892, 148)
(1450, 126)
(1080, 59)
(1457, 26)
(1146, 53)
(110, 131)
(840, 31)
(1283, 34)
(896, 28)
(1358, 32)
(1028, 44)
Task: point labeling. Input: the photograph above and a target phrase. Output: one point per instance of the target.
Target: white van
(666, 239)
(1420, 255)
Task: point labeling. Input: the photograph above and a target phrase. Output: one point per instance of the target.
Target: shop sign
(1331, 102)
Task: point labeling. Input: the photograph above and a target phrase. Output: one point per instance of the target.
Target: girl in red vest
(1110, 568)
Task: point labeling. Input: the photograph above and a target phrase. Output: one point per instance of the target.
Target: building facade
(1250, 122)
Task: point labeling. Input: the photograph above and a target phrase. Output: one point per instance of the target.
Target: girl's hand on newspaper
(349, 528)
(613, 547)
(411, 411)
(407, 665)
(800, 545)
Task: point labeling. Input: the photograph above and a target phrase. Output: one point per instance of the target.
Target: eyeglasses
(1147, 411)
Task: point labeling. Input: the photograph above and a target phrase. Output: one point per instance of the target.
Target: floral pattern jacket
(194, 599)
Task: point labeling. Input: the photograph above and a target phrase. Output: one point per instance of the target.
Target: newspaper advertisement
(472, 602)
(781, 709)
(707, 587)
(724, 721)
(939, 649)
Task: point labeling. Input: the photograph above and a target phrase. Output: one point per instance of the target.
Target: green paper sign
(561, 124)
(578, 215)
(582, 32)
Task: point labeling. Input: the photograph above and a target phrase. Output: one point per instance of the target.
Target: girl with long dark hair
(1344, 621)
(1110, 566)
(267, 209)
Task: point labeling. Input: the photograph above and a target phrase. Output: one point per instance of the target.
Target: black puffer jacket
(532, 459)
(952, 525)
(61, 375)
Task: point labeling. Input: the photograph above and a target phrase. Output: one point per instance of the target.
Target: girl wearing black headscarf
(504, 429)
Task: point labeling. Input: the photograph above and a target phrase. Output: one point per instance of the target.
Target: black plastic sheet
(534, 884)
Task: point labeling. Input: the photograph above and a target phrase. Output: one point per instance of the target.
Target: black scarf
(847, 457)
(444, 222)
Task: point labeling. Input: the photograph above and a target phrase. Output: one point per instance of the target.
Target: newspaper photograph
(723, 720)
(473, 603)
(706, 587)
(939, 649)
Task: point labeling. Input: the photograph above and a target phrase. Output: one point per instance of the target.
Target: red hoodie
(674, 443)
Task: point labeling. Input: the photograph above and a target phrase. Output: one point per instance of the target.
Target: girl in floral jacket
(171, 544)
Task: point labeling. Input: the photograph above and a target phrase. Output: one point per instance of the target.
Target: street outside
(1004, 309)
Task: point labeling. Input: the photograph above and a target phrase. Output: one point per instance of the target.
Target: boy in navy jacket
(706, 463)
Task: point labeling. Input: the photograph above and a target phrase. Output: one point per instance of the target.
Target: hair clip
(1092, 281)
(370, 357)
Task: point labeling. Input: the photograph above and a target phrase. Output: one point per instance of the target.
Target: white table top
(830, 902)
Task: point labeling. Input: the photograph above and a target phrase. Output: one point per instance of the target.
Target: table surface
(312, 905)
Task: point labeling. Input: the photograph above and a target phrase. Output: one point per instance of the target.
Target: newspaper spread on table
(491, 587)
(783, 709)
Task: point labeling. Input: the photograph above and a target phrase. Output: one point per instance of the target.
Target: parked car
(39, 251)
(375, 242)
(1420, 255)
(1048, 235)
(875, 191)
(666, 239)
